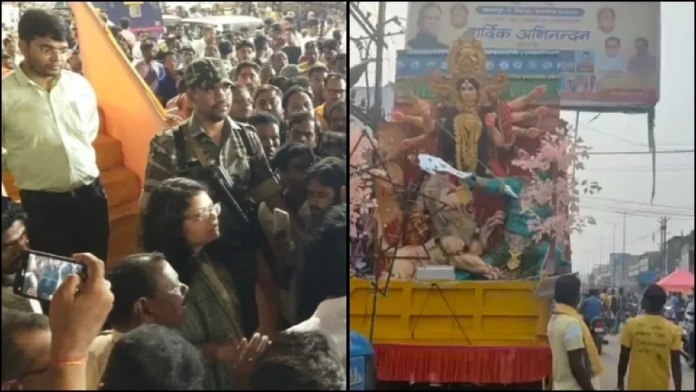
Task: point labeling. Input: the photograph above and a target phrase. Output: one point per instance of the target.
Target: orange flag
(131, 112)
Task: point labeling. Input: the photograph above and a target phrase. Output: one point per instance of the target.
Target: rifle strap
(182, 134)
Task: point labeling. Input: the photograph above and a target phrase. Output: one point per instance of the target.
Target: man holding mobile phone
(76, 318)
(14, 241)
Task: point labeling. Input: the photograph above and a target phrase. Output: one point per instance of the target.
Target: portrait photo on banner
(610, 51)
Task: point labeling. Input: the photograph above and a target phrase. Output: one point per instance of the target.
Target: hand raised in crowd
(248, 351)
(235, 351)
(281, 243)
(78, 310)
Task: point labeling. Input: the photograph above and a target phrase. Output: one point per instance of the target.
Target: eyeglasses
(207, 212)
(48, 51)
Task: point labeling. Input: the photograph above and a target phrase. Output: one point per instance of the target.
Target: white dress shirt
(48, 134)
(199, 46)
(136, 53)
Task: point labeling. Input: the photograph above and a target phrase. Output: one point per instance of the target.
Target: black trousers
(69, 222)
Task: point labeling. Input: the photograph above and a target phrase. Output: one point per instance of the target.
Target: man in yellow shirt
(310, 57)
(650, 346)
(606, 298)
(334, 91)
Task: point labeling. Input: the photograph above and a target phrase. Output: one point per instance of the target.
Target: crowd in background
(226, 294)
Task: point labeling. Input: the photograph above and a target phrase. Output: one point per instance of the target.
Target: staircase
(123, 191)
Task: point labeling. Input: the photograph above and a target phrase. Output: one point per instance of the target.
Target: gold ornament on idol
(466, 64)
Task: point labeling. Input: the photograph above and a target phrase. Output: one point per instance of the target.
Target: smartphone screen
(40, 274)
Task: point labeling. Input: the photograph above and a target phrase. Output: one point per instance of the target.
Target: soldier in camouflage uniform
(219, 139)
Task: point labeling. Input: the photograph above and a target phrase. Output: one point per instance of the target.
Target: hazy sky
(626, 179)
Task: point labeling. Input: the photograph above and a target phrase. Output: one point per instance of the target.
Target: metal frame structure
(371, 114)
(374, 36)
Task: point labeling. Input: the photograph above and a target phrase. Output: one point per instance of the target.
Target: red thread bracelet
(69, 362)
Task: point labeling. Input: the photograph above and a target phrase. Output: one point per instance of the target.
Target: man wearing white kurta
(49, 122)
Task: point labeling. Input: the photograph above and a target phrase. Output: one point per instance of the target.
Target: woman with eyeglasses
(179, 221)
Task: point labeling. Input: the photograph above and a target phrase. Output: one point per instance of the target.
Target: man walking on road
(576, 362)
(618, 308)
(651, 345)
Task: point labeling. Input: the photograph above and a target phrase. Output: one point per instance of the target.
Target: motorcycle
(670, 313)
(597, 331)
(631, 310)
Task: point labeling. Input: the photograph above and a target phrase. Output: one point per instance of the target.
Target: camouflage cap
(206, 73)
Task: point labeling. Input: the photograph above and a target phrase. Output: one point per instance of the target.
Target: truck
(484, 324)
(469, 332)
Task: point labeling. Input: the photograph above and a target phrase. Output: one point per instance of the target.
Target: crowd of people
(226, 294)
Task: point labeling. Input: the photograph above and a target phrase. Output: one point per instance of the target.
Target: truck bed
(469, 313)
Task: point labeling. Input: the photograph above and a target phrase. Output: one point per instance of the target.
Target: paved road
(610, 355)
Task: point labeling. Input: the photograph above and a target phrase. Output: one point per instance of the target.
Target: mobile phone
(282, 221)
(40, 274)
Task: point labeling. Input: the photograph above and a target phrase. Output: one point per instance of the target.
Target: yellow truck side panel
(450, 313)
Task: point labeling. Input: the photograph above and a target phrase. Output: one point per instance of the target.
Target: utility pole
(623, 248)
(613, 249)
(663, 243)
(381, 17)
(613, 244)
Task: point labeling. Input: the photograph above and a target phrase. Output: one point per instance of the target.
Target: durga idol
(485, 124)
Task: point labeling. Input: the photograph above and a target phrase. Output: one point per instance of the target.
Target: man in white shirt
(49, 122)
(611, 61)
(313, 33)
(208, 39)
(330, 28)
(126, 32)
(136, 52)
